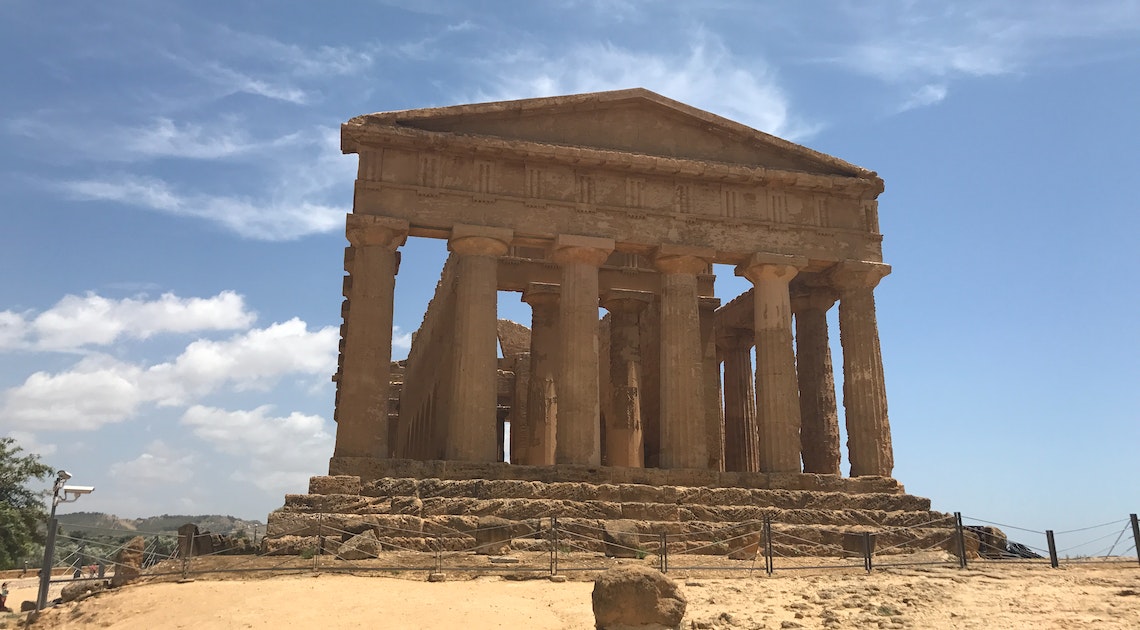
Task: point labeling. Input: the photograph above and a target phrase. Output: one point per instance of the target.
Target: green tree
(22, 509)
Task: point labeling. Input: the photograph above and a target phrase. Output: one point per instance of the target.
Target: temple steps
(426, 514)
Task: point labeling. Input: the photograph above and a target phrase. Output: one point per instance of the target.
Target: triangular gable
(635, 121)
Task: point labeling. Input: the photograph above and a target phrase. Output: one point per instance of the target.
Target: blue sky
(174, 197)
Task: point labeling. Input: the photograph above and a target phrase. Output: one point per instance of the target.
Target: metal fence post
(769, 564)
(438, 554)
(553, 545)
(960, 532)
(320, 539)
(664, 555)
(1135, 535)
(867, 551)
(1052, 548)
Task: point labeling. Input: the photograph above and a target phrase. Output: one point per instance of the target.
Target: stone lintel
(363, 230)
(855, 274)
(808, 298)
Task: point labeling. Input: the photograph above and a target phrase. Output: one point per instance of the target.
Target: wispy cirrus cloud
(305, 196)
(925, 46)
(703, 73)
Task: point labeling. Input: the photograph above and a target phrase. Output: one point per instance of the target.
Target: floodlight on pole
(70, 495)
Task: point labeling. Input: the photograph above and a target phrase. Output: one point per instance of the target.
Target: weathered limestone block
(397, 525)
(650, 511)
(724, 496)
(972, 544)
(80, 591)
(407, 505)
(187, 534)
(128, 562)
(493, 535)
(360, 547)
(334, 484)
(629, 492)
(390, 487)
(336, 503)
(634, 596)
(287, 545)
(853, 543)
(992, 542)
(509, 489)
(622, 538)
(431, 488)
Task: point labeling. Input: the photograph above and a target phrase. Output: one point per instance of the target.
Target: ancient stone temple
(621, 201)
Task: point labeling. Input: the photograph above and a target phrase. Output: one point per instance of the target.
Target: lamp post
(70, 495)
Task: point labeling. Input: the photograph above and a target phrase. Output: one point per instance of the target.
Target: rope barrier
(1031, 531)
(1082, 529)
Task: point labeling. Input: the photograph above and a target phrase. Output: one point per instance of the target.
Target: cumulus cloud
(78, 321)
(98, 390)
(256, 359)
(101, 390)
(281, 451)
(704, 73)
(31, 444)
(158, 463)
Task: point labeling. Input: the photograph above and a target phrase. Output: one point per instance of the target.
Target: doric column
(864, 392)
(472, 416)
(710, 377)
(520, 423)
(362, 409)
(579, 440)
(777, 393)
(542, 403)
(819, 418)
(683, 431)
(624, 445)
(741, 437)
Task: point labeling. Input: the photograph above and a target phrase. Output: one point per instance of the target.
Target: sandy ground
(985, 596)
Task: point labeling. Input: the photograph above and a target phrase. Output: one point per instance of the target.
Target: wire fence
(559, 546)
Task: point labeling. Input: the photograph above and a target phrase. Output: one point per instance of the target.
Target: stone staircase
(426, 506)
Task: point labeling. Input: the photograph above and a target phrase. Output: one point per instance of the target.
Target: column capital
(363, 230)
(479, 240)
(813, 298)
(671, 259)
(589, 250)
(857, 274)
(541, 294)
(766, 266)
(735, 339)
(708, 303)
(625, 300)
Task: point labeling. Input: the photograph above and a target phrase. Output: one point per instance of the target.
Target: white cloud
(926, 95)
(100, 390)
(158, 464)
(256, 359)
(295, 205)
(77, 321)
(13, 329)
(401, 339)
(31, 444)
(704, 74)
(925, 45)
(282, 452)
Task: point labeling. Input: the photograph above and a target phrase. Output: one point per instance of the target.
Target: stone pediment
(633, 121)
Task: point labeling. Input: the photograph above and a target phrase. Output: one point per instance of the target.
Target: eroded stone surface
(635, 597)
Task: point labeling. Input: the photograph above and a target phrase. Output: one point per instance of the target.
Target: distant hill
(158, 525)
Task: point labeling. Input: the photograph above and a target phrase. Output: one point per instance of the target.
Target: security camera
(63, 474)
(78, 490)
